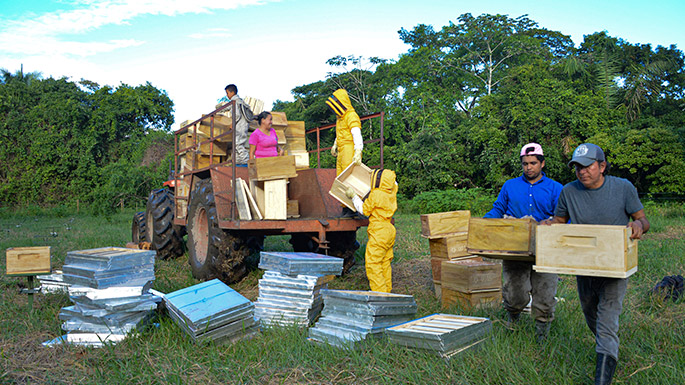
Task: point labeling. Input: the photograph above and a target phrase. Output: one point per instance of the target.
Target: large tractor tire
(212, 251)
(139, 228)
(161, 232)
(341, 244)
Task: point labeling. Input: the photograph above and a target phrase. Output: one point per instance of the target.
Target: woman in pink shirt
(264, 141)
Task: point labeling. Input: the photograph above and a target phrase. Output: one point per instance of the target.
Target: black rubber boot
(606, 365)
(541, 330)
(512, 320)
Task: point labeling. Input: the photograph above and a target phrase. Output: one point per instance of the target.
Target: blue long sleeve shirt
(519, 198)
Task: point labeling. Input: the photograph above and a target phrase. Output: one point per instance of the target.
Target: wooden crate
(195, 161)
(449, 247)
(439, 225)
(28, 260)
(279, 120)
(271, 197)
(295, 129)
(592, 250)
(293, 208)
(275, 167)
(301, 158)
(356, 176)
(437, 288)
(280, 134)
(436, 264)
(451, 297)
(220, 148)
(222, 124)
(471, 275)
(502, 238)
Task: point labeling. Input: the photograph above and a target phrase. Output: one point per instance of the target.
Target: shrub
(478, 200)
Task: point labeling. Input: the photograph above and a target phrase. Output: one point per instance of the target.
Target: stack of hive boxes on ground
(446, 233)
(442, 334)
(212, 311)
(349, 316)
(109, 287)
(290, 290)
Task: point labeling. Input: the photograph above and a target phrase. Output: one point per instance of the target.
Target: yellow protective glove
(350, 193)
(334, 149)
(357, 157)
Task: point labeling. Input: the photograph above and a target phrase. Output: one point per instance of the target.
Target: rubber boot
(512, 320)
(606, 365)
(541, 330)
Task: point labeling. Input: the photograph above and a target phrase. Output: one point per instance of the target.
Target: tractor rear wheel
(139, 228)
(212, 251)
(161, 232)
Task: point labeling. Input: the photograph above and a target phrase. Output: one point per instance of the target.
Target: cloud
(212, 33)
(47, 33)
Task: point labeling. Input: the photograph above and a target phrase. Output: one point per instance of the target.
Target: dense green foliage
(458, 106)
(464, 99)
(66, 142)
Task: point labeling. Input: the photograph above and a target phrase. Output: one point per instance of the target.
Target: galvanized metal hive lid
(295, 263)
(287, 300)
(109, 258)
(366, 296)
(207, 303)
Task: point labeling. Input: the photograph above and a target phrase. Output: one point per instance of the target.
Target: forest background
(458, 106)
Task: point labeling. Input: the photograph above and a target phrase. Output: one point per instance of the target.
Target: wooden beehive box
(502, 238)
(436, 265)
(222, 124)
(28, 260)
(356, 176)
(438, 225)
(449, 247)
(471, 275)
(301, 158)
(186, 141)
(271, 197)
(275, 167)
(592, 250)
(451, 297)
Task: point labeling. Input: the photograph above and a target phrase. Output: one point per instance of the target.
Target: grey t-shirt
(610, 204)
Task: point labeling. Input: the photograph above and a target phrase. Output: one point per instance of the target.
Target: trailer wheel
(161, 232)
(139, 228)
(212, 251)
(343, 244)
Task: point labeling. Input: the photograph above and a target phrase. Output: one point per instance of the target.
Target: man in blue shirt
(532, 195)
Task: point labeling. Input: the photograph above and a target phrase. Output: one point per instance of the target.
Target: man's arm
(554, 220)
(640, 224)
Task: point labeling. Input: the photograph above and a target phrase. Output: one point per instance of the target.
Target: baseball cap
(531, 149)
(586, 154)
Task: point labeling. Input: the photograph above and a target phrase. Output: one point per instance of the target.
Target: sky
(192, 49)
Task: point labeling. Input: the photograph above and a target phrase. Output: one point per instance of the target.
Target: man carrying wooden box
(531, 195)
(599, 199)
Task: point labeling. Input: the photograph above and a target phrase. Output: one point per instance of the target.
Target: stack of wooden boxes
(446, 233)
(471, 282)
(269, 184)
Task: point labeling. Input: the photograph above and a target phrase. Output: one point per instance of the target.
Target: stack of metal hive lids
(285, 300)
(109, 266)
(212, 311)
(349, 316)
(53, 283)
(108, 302)
(293, 264)
(290, 290)
(442, 334)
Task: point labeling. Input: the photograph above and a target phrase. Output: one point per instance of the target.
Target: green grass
(652, 331)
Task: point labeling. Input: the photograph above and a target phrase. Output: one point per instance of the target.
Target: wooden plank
(470, 275)
(437, 225)
(257, 189)
(449, 247)
(502, 237)
(275, 199)
(241, 202)
(254, 209)
(452, 297)
(276, 167)
(28, 260)
(592, 250)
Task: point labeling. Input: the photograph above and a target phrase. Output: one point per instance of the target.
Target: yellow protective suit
(340, 103)
(380, 207)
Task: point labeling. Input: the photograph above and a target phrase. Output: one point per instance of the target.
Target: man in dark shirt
(600, 199)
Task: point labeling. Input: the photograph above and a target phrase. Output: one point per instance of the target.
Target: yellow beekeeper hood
(385, 180)
(339, 102)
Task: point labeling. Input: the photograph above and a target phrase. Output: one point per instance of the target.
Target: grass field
(652, 330)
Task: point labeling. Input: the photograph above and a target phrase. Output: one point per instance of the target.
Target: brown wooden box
(592, 250)
(356, 176)
(222, 124)
(451, 297)
(186, 141)
(275, 167)
(502, 238)
(28, 260)
(470, 275)
(295, 129)
(271, 197)
(195, 161)
(293, 208)
(436, 265)
(449, 247)
(279, 120)
(438, 225)
(437, 289)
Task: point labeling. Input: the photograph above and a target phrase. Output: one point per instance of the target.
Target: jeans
(520, 281)
(602, 301)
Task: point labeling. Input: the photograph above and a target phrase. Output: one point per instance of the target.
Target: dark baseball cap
(586, 154)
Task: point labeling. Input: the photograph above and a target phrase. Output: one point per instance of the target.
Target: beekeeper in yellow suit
(379, 207)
